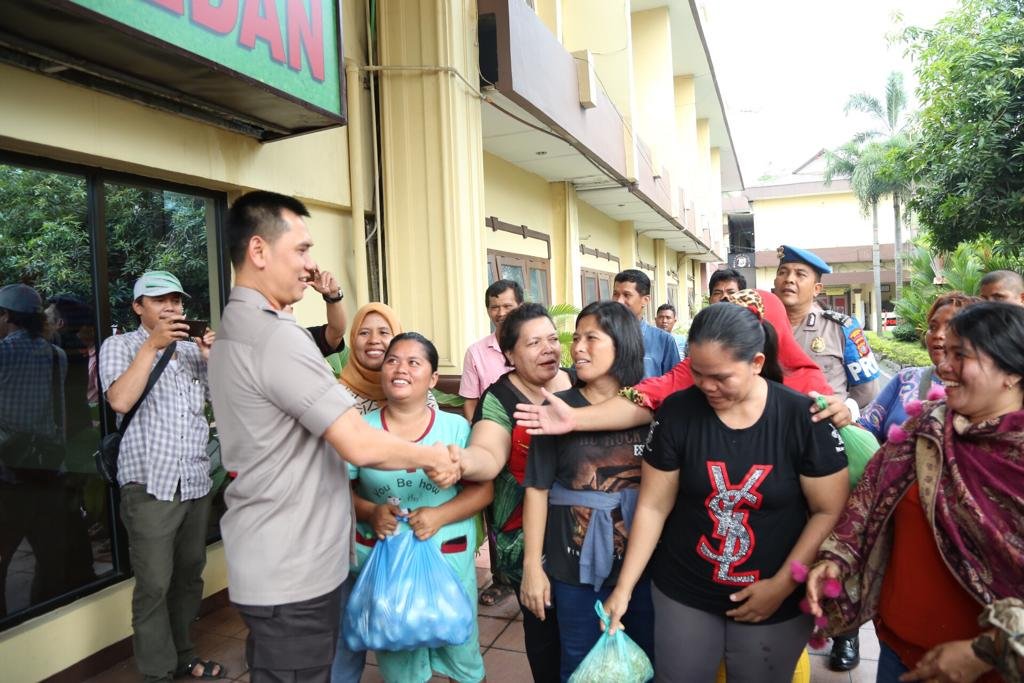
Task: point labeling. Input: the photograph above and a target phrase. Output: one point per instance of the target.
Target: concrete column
(654, 89)
(697, 270)
(716, 219)
(702, 189)
(432, 160)
(659, 288)
(565, 245)
(628, 252)
(550, 12)
(686, 136)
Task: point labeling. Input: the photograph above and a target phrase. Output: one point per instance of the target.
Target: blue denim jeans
(579, 627)
(890, 666)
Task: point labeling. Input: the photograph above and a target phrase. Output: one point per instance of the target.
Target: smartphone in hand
(196, 328)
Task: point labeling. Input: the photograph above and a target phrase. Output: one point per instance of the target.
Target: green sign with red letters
(291, 46)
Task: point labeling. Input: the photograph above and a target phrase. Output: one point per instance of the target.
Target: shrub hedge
(904, 354)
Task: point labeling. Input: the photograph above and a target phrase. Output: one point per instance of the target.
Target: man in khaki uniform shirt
(283, 420)
(837, 344)
(834, 341)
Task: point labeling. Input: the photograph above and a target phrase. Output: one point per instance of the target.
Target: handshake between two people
(448, 465)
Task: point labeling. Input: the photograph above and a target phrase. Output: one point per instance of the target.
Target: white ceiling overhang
(691, 57)
(540, 148)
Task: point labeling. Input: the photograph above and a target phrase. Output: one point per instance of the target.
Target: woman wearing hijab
(373, 327)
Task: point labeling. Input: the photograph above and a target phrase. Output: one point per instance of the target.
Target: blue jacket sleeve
(874, 416)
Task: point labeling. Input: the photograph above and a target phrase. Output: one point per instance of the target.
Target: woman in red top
(933, 533)
(636, 405)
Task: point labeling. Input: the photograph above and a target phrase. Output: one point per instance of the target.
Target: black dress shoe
(845, 653)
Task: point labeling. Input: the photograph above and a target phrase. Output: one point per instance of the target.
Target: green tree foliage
(45, 241)
(968, 160)
(564, 316)
(961, 271)
(907, 355)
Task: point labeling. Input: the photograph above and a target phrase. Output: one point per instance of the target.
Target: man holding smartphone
(163, 473)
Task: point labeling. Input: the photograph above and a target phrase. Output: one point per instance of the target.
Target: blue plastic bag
(406, 597)
(614, 659)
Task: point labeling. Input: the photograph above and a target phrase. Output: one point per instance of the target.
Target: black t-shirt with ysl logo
(740, 508)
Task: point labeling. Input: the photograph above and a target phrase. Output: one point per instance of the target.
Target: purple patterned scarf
(971, 479)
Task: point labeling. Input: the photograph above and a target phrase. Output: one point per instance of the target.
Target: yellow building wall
(645, 253)
(717, 221)
(550, 12)
(518, 197)
(819, 221)
(702, 188)
(686, 134)
(597, 231)
(433, 180)
(603, 27)
(654, 89)
(48, 644)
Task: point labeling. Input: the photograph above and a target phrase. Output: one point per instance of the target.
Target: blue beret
(788, 254)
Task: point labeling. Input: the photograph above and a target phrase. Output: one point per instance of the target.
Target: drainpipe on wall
(357, 181)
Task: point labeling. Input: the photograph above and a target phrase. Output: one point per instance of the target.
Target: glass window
(151, 229)
(597, 286)
(55, 525)
(154, 229)
(539, 286)
(590, 294)
(59, 526)
(516, 267)
(514, 273)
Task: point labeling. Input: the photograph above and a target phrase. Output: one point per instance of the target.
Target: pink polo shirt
(483, 365)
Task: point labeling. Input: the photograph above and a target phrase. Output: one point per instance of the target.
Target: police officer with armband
(836, 342)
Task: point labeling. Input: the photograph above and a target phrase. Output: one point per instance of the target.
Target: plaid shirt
(26, 385)
(166, 441)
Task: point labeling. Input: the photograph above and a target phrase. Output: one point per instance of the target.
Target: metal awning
(161, 54)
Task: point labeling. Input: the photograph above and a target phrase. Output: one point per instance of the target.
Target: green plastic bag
(614, 659)
(861, 445)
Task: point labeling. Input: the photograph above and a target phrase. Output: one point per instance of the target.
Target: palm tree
(892, 120)
(871, 161)
(860, 162)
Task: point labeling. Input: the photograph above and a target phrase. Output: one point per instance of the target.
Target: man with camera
(163, 472)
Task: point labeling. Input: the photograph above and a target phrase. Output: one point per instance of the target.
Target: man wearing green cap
(163, 472)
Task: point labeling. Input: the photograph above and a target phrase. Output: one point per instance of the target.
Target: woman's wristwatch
(335, 298)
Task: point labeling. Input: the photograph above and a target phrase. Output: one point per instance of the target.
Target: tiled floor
(221, 636)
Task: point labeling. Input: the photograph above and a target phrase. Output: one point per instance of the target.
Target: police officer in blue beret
(836, 342)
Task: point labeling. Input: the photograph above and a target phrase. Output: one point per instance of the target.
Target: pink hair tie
(897, 434)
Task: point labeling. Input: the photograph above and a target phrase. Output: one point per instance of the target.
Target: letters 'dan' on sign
(266, 68)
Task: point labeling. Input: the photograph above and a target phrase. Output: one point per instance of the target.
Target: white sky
(786, 69)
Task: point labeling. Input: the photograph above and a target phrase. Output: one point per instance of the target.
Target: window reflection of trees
(45, 242)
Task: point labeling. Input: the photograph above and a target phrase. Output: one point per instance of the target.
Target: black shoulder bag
(110, 445)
